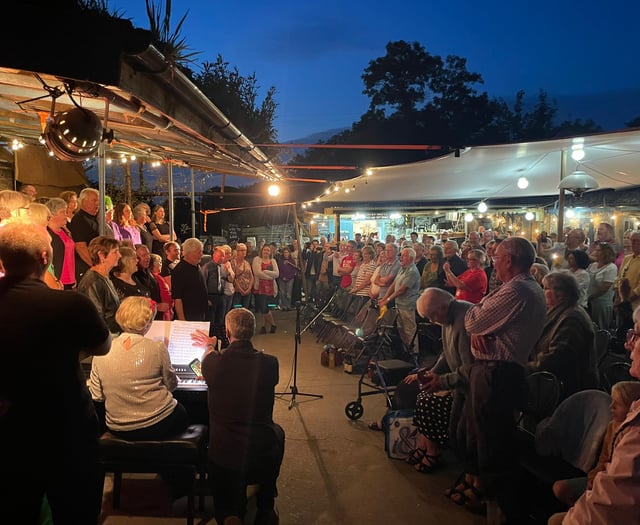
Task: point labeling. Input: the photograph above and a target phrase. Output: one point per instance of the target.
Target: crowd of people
(112, 296)
(507, 308)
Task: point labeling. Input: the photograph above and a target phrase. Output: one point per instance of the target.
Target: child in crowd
(622, 395)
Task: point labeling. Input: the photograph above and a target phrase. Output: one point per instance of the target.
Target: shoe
(273, 329)
(416, 456)
(263, 330)
(470, 498)
(374, 425)
(428, 463)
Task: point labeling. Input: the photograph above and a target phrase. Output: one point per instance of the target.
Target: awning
(154, 110)
(491, 173)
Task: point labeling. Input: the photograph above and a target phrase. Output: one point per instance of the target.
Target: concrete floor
(335, 470)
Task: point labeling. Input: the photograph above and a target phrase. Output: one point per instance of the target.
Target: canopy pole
(102, 187)
(171, 215)
(563, 170)
(193, 202)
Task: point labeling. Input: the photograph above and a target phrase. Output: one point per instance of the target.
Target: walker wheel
(354, 410)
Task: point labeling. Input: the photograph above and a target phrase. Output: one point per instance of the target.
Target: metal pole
(172, 221)
(193, 202)
(102, 186)
(563, 170)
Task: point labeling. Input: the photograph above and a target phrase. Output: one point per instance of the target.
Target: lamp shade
(74, 135)
(578, 182)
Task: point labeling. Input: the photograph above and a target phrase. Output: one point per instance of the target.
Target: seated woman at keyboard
(135, 379)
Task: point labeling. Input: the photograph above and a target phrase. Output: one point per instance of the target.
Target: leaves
(170, 42)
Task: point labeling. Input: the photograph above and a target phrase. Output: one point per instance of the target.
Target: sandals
(461, 484)
(471, 498)
(428, 463)
(416, 456)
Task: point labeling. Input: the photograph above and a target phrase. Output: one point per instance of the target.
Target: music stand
(294, 388)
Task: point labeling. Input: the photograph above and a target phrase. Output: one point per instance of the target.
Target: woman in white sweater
(135, 379)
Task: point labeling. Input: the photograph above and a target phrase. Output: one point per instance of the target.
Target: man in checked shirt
(504, 328)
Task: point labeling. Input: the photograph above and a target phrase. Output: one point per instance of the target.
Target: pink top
(165, 296)
(68, 274)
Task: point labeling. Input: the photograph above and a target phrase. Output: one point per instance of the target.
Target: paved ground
(335, 470)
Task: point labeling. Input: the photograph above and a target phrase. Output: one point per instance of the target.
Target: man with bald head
(49, 432)
(504, 328)
(452, 367)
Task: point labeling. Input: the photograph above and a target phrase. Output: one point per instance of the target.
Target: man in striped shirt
(504, 328)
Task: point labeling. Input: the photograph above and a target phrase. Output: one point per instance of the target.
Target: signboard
(234, 232)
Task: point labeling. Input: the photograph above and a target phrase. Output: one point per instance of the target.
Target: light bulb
(468, 217)
(274, 190)
(570, 214)
(577, 154)
(523, 183)
(529, 216)
(482, 207)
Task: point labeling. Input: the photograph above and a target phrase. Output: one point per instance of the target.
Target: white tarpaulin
(492, 172)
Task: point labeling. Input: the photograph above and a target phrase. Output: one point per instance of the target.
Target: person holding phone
(135, 379)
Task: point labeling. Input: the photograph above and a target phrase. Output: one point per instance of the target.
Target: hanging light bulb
(482, 207)
(468, 217)
(570, 214)
(523, 183)
(529, 216)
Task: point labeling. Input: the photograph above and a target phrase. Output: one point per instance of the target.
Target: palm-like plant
(170, 43)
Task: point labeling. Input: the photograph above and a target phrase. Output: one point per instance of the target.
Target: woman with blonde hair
(135, 379)
(603, 272)
(265, 289)
(13, 205)
(243, 282)
(122, 275)
(622, 395)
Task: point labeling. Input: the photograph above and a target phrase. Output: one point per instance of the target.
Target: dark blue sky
(314, 53)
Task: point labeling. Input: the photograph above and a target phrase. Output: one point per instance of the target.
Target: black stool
(184, 453)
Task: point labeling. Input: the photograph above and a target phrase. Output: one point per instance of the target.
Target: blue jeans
(286, 289)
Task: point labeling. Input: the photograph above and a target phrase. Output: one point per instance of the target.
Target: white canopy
(492, 172)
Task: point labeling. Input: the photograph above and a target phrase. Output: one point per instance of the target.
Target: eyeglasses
(632, 335)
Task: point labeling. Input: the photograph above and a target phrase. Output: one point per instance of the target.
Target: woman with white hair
(64, 258)
(135, 379)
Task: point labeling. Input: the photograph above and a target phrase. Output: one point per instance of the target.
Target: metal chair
(614, 373)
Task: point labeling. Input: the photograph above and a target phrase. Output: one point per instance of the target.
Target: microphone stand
(294, 388)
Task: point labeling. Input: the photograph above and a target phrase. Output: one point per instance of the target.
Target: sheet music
(176, 335)
(181, 347)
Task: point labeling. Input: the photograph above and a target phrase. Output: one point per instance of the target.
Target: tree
(237, 97)
(635, 123)
(399, 79)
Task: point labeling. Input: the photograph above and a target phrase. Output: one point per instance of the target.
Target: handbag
(401, 436)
